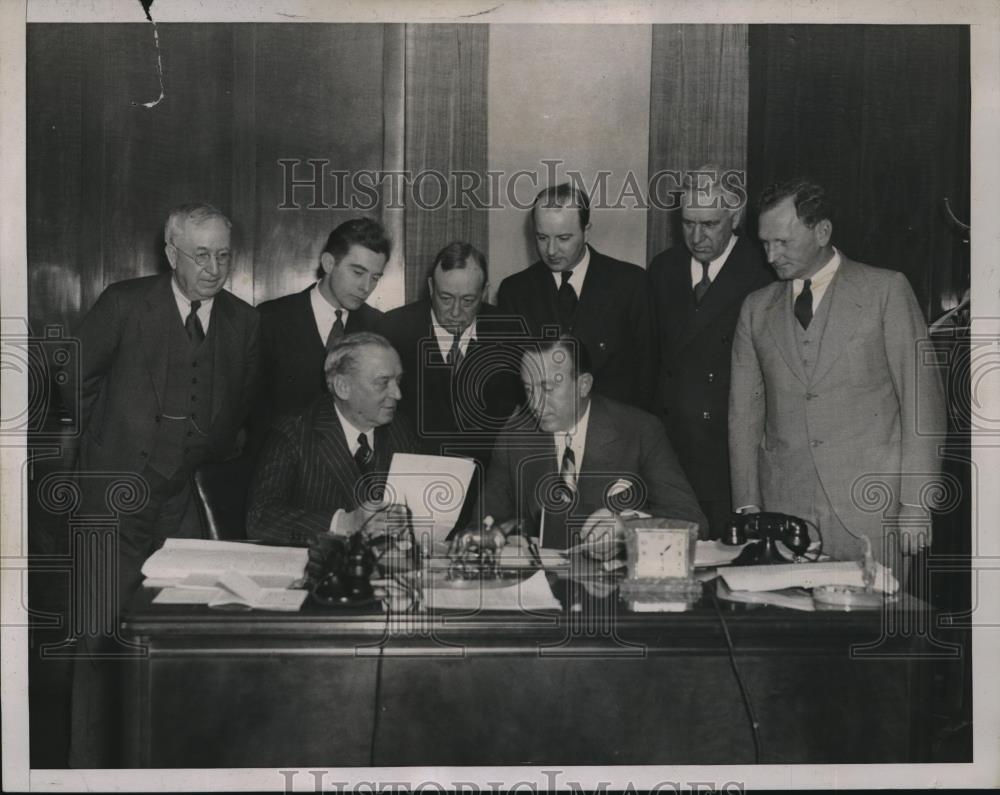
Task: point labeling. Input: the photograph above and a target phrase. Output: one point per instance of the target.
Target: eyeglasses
(204, 258)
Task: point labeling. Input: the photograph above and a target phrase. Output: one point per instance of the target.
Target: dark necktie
(804, 305)
(192, 324)
(455, 354)
(566, 301)
(702, 287)
(364, 456)
(336, 331)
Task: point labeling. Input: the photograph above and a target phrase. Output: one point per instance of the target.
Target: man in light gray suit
(827, 385)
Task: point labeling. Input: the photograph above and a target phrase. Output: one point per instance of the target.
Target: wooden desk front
(223, 689)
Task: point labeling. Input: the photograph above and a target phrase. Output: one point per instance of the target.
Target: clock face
(662, 553)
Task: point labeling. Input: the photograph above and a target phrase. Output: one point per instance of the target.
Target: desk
(222, 689)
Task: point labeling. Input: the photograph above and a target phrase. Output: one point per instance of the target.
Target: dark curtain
(880, 116)
(697, 109)
(445, 133)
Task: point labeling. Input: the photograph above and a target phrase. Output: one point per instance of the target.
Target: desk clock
(660, 564)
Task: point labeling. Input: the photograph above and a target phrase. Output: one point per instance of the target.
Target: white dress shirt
(325, 314)
(714, 266)
(184, 306)
(820, 281)
(351, 434)
(445, 339)
(578, 440)
(577, 275)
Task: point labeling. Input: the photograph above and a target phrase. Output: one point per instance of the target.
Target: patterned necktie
(455, 354)
(702, 287)
(192, 324)
(566, 301)
(336, 331)
(567, 470)
(364, 456)
(804, 305)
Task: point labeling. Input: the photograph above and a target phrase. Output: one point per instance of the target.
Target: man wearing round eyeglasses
(168, 367)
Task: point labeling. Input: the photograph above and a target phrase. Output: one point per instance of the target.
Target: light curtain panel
(698, 98)
(578, 94)
(446, 107)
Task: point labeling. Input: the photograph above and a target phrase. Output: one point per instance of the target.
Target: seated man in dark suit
(299, 330)
(462, 380)
(584, 452)
(576, 290)
(322, 470)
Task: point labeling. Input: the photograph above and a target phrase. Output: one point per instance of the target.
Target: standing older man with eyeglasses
(169, 370)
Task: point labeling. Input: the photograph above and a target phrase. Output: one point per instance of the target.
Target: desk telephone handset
(764, 530)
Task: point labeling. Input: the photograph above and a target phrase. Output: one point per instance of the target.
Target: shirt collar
(325, 312)
(714, 266)
(578, 431)
(577, 274)
(351, 432)
(184, 305)
(820, 280)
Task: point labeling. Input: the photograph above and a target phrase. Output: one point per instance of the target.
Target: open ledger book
(217, 573)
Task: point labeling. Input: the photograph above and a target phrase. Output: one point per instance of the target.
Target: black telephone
(765, 529)
(340, 569)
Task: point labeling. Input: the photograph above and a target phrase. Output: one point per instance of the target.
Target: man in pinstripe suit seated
(322, 471)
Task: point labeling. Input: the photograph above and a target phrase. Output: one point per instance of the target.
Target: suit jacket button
(711, 377)
(706, 415)
(602, 345)
(815, 443)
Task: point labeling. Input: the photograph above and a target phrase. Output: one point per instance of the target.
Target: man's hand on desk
(914, 528)
(603, 534)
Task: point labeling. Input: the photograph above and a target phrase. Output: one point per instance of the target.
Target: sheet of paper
(715, 553)
(186, 596)
(794, 599)
(805, 575)
(433, 487)
(179, 558)
(532, 593)
(283, 601)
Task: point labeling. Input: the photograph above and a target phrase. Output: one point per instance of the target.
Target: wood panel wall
(103, 170)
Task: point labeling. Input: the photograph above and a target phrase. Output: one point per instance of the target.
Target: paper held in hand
(433, 487)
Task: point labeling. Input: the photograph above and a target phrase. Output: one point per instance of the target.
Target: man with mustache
(169, 367)
(322, 470)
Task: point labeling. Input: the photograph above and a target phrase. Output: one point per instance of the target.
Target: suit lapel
(602, 439)
(847, 298)
(730, 285)
(332, 449)
(225, 360)
(779, 322)
(154, 327)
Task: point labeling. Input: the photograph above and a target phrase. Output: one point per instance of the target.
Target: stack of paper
(216, 573)
(531, 593)
(779, 576)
